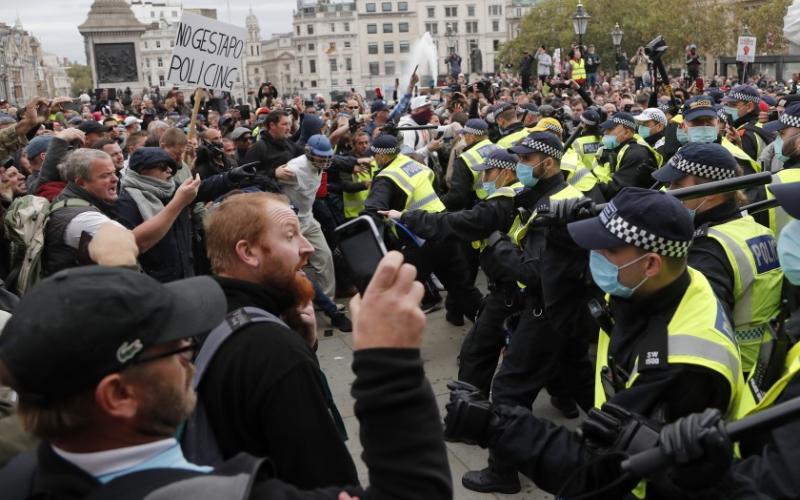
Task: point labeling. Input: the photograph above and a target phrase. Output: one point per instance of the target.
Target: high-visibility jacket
(604, 171)
(505, 192)
(512, 138)
(749, 405)
(697, 334)
(740, 155)
(578, 175)
(354, 202)
(760, 142)
(578, 69)
(757, 278)
(586, 148)
(473, 157)
(781, 218)
(416, 181)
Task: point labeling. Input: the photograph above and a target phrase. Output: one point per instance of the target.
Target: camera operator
(640, 62)
(692, 64)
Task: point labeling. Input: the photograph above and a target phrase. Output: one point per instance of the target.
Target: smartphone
(362, 247)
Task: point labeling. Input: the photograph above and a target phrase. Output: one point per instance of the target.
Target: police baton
(724, 186)
(647, 462)
(574, 136)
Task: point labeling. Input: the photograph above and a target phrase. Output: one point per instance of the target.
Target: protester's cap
(709, 161)
(788, 195)
(698, 107)
(499, 158)
(75, 120)
(652, 114)
(239, 132)
(743, 93)
(385, 144)
(548, 125)
(147, 157)
(131, 120)
(224, 119)
(81, 324)
(6, 119)
(38, 145)
(629, 219)
(319, 145)
(377, 106)
(92, 127)
(420, 101)
(621, 118)
(475, 126)
(539, 142)
(590, 117)
(789, 118)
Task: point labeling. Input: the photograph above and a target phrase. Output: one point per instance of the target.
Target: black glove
(553, 212)
(469, 414)
(699, 447)
(241, 174)
(613, 428)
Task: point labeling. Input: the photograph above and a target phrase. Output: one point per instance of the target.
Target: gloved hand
(241, 174)
(564, 211)
(469, 414)
(613, 428)
(699, 447)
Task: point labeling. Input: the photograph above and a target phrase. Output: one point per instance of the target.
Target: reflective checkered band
(626, 123)
(553, 128)
(750, 335)
(700, 169)
(541, 146)
(495, 163)
(741, 96)
(721, 113)
(385, 151)
(646, 240)
(790, 120)
(473, 131)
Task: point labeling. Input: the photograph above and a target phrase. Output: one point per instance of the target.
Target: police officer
(483, 343)
(510, 127)
(741, 104)
(576, 174)
(590, 138)
(404, 184)
(551, 272)
(528, 114)
(652, 124)
(626, 159)
(666, 350)
(464, 184)
(787, 150)
(737, 255)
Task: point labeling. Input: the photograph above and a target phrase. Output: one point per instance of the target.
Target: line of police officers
(684, 293)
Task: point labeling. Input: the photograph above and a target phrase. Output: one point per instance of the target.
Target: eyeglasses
(190, 352)
(355, 107)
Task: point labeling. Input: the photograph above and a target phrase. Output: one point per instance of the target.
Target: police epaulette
(701, 231)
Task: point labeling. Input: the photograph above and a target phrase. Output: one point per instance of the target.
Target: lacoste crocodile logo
(127, 351)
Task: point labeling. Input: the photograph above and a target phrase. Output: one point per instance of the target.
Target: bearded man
(263, 390)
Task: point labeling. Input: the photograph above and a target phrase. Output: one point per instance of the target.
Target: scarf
(148, 193)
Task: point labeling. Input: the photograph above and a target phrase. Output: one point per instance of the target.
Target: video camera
(656, 48)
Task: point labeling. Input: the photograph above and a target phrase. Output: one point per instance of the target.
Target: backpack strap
(234, 321)
(68, 202)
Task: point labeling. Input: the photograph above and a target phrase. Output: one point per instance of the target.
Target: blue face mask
(789, 251)
(489, 187)
(704, 134)
(682, 136)
(693, 211)
(610, 141)
(606, 274)
(644, 132)
(779, 149)
(525, 174)
(734, 112)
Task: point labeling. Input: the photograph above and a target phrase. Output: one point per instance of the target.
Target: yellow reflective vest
(577, 174)
(781, 218)
(605, 171)
(757, 279)
(586, 148)
(791, 367)
(578, 69)
(354, 202)
(513, 138)
(473, 157)
(503, 192)
(416, 181)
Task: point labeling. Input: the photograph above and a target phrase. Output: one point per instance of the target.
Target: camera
(656, 48)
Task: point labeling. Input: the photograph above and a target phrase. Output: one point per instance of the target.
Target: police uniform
(736, 254)
(658, 140)
(791, 165)
(629, 163)
(588, 143)
(547, 339)
(405, 184)
(514, 133)
(754, 137)
(354, 199)
(465, 188)
(484, 341)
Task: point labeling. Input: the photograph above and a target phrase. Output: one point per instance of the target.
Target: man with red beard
(263, 390)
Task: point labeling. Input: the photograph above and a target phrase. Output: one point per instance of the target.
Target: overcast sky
(55, 22)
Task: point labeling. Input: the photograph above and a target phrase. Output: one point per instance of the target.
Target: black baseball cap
(788, 195)
(148, 157)
(93, 127)
(81, 324)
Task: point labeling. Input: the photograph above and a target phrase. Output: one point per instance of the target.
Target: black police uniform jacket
(635, 168)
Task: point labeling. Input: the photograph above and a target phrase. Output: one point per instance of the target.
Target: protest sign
(746, 49)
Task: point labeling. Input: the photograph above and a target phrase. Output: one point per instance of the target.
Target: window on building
(431, 12)
(302, 84)
(334, 82)
(297, 29)
(432, 28)
(451, 11)
(300, 66)
(386, 6)
(495, 10)
(470, 11)
(372, 29)
(402, 27)
(147, 62)
(332, 46)
(402, 6)
(152, 13)
(311, 46)
(174, 13)
(472, 26)
(334, 66)
(333, 27)
(404, 47)
(374, 69)
(372, 48)
(387, 28)
(347, 26)
(312, 66)
(150, 80)
(145, 44)
(348, 63)
(160, 63)
(286, 67)
(371, 7)
(347, 45)
(495, 45)
(388, 67)
(310, 29)
(172, 43)
(158, 44)
(160, 80)
(495, 25)
(255, 70)
(300, 48)
(388, 47)
(349, 81)
(451, 26)
(313, 84)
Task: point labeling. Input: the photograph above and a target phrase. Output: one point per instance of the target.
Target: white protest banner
(746, 50)
(207, 53)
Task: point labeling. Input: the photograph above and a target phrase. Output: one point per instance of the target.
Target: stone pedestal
(111, 34)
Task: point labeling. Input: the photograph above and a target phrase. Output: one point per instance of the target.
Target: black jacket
(460, 195)
(264, 396)
(749, 137)
(271, 154)
(477, 223)
(635, 168)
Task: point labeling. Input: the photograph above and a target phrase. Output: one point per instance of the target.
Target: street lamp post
(579, 22)
(616, 37)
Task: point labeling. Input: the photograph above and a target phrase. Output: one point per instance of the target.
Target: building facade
(387, 29)
(20, 64)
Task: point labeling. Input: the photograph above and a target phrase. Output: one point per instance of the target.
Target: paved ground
(440, 348)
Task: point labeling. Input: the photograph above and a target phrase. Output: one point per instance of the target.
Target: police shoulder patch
(485, 150)
(411, 168)
(590, 147)
(765, 252)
